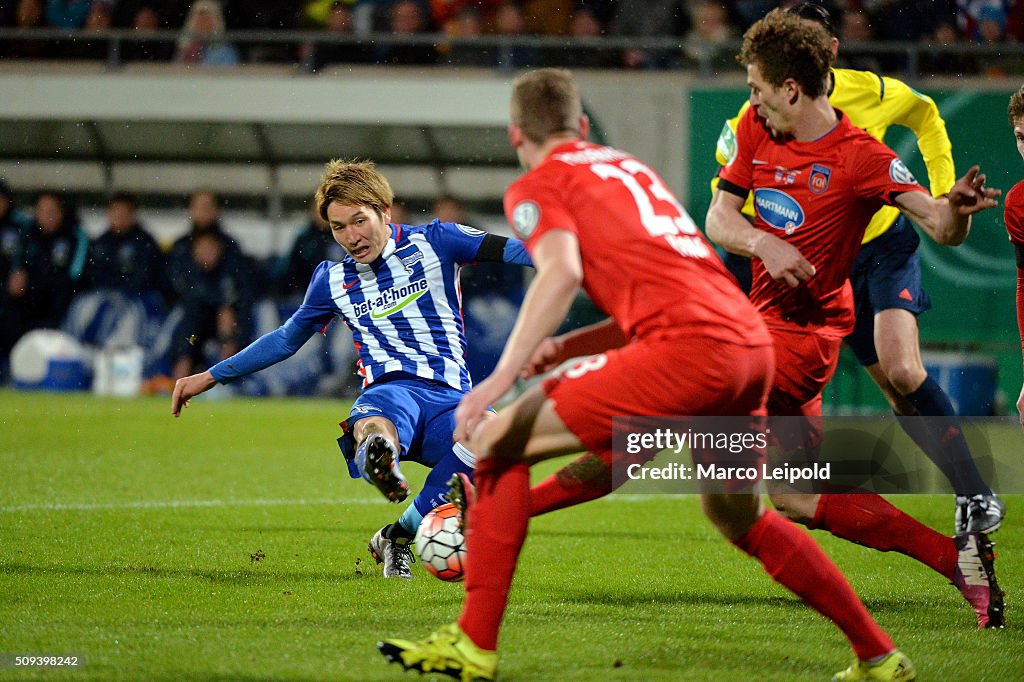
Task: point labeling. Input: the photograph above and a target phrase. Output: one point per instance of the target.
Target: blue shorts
(423, 412)
(886, 274)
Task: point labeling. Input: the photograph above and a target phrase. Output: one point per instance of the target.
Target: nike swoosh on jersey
(759, 162)
(349, 285)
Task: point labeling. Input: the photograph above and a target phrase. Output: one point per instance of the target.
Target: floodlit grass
(230, 544)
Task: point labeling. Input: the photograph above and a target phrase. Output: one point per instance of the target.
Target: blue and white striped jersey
(405, 308)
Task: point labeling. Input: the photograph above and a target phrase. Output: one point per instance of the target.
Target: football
(440, 544)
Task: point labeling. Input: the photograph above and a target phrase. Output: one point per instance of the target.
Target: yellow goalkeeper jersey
(874, 103)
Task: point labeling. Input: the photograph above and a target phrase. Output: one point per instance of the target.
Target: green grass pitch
(231, 545)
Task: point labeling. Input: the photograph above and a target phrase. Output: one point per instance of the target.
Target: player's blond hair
(546, 102)
(1016, 108)
(785, 46)
(353, 183)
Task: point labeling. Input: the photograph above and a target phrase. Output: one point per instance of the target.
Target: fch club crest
(819, 178)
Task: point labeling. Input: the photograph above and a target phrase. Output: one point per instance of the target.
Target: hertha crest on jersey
(820, 175)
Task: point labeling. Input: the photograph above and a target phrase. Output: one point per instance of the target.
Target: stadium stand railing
(910, 60)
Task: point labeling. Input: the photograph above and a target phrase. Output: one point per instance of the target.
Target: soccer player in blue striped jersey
(398, 291)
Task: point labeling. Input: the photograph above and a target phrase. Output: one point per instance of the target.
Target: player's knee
(487, 435)
(905, 375)
(371, 425)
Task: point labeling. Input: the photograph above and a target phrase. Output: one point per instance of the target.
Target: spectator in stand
(710, 30)
(204, 218)
(650, 19)
(202, 41)
(67, 14)
(262, 15)
(971, 13)
(548, 17)
(29, 14)
(215, 306)
(710, 22)
(53, 263)
(854, 27)
(314, 13)
(169, 13)
(936, 63)
(445, 12)
(903, 19)
(312, 246)
(509, 21)
(407, 18)
(371, 16)
(855, 30)
(991, 26)
(586, 25)
(13, 231)
(229, 276)
(125, 304)
(468, 23)
(991, 30)
(99, 19)
(14, 227)
(126, 258)
(340, 23)
(146, 19)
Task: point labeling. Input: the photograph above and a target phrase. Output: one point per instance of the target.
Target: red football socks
(869, 520)
(795, 561)
(497, 527)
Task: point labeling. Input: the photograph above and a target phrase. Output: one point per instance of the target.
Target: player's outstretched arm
(269, 349)
(947, 220)
(727, 227)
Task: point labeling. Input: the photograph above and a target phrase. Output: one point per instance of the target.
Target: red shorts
(672, 377)
(804, 363)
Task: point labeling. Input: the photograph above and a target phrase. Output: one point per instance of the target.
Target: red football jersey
(819, 196)
(1013, 213)
(645, 262)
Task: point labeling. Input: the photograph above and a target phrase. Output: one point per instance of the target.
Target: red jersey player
(1013, 215)
(598, 217)
(817, 181)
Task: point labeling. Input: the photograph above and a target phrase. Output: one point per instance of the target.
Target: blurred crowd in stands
(203, 25)
(192, 302)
